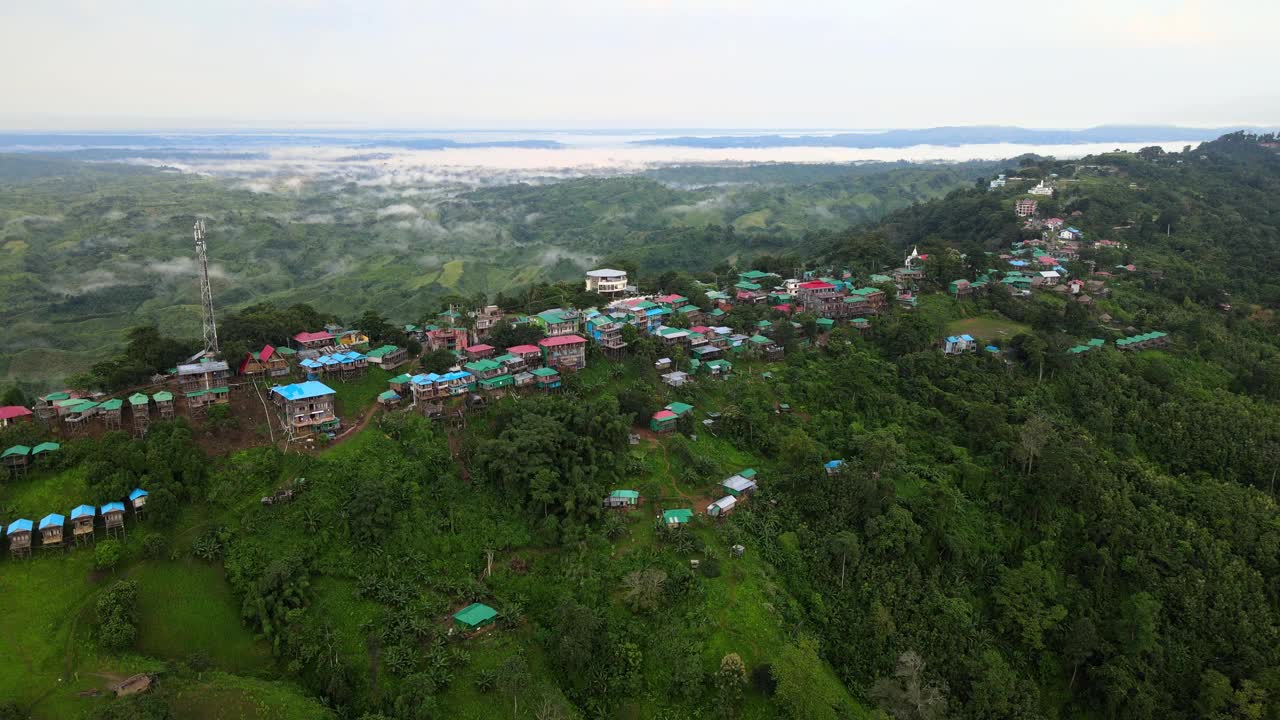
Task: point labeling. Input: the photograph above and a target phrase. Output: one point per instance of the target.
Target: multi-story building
(607, 281)
(305, 408)
(1024, 208)
(564, 351)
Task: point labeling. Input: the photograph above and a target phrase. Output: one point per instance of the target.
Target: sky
(429, 64)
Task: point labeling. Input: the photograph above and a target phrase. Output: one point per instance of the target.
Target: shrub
(154, 546)
(106, 556)
(710, 567)
(118, 615)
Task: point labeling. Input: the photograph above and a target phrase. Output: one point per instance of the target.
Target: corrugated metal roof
(52, 520)
(303, 390)
(19, 525)
(83, 511)
(137, 493)
(112, 507)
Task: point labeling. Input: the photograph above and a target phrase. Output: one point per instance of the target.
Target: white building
(1041, 189)
(999, 182)
(606, 281)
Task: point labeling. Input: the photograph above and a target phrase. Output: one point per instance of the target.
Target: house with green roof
(622, 499)
(679, 408)
(1145, 341)
(677, 517)
(474, 617)
(546, 378)
(388, 357)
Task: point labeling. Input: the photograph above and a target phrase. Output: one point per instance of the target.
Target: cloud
(397, 210)
(183, 267)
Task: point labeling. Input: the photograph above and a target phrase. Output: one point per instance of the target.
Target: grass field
(987, 327)
(221, 696)
(186, 607)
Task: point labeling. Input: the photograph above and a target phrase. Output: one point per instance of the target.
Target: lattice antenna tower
(206, 291)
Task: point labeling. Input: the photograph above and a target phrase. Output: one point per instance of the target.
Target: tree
(907, 695)
(731, 678)
(219, 418)
(804, 689)
(118, 615)
(513, 678)
(642, 589)
(107, 555)
(438, 361)
(845, 545)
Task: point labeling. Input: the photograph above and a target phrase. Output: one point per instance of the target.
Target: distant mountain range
(164, 144)
(954, 136)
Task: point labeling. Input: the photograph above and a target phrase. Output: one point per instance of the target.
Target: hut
(110, 412)
(622, 499)
(11, 414)
(44, 447)
(51, 530)
(389, 398)
(76, 415)
(138, 500)
(140, 409)
(677, 518)
(164, 403)
(113, 516)
(738, 485)
(474, 616)
(19, 532)
(722, 507)
(16, 458)
(834, 467)
(82, 522)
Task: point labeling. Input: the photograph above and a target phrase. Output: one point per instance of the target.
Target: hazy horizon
(697, 64)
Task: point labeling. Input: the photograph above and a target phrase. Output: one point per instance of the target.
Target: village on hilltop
(294, 384)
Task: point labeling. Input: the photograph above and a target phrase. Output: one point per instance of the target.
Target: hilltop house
(607, 281)
(266, 362)
(1024, 208)
(313, 340)
(564, 351)
(305, 408)
(388, 357)
(956, 344)
(11, 414)
(559, 322)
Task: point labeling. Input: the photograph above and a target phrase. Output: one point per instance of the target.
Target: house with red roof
(313, 340)
(663, 421)
(266, 362)
(479, 352)
(10, 414)
(564, 351)
(531, 354)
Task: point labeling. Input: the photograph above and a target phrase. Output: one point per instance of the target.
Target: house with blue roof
(51, 526)
(19, 533)
(138, 499)
(834, 467)
(957, 344)
(82, 522)
(306, 408)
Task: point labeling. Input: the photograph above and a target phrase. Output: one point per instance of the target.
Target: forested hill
(88, 250)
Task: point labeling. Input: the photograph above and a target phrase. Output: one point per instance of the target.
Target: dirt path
(355, 429)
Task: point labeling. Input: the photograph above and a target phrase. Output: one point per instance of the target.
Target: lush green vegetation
(88, 250)
(1033, 534)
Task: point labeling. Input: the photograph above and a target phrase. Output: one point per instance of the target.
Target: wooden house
(1145, 341)
(140, 409)
(82, 523)
(13, 414)
(448, 338)
(564, 351)
(138, 500)
(960, 289)
(199, 401)
(51, 527)
(546, 378)
(388, 357)
(722, 507)
(19, 533)
(389, 398)
(622, 499)
(512, 363)
(164, 403)
(305, 408)
(313, 340)
(110, 412)
(267, 362)
(113, 517)
(76, 415)
(862, 302)
(474, 616)
(480, 352)
(42, 448)
(16, 458)
(558, 321)
(531, 354)
(46, 407)
(834, 467)
(663, 421)
(205, 375)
